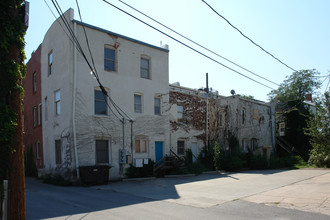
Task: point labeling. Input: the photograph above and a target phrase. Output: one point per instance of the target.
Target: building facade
(32, 112)
(83, 127)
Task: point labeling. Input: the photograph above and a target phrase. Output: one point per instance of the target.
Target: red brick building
(32, 116)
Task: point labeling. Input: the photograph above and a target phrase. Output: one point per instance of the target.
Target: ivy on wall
(12, 69)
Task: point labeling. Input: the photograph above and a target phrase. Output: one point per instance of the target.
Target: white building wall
(121, 85)
(57, 126)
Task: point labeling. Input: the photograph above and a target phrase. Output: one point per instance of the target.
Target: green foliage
(138, 172)
(296, 86)
(248, 97)
(231, 159)
(206, 157)
(56, 179)
(7, 130)
(12, 68)
(188, 158)
(258, 162)
(319, 131)
(296, 122)
(29, 163)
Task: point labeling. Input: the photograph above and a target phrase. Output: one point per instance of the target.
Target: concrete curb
(138, 179)
(179, 175)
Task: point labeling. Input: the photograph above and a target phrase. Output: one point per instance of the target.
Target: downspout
(74, 103)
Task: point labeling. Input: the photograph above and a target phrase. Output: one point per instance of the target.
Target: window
(222, 118)
(38, 149)
(102, 151)
(34, 82)
(145, 68)
(140, 145)
(243, 116)
(39, 114)
(137, 103)
(180, 147)
(46, 109)
(100, 103)
(254, 143)
(157, 106)
(109, 59)
(58, 102)
(180, 113)
(58, 152)
(50, 63)
(35, 116)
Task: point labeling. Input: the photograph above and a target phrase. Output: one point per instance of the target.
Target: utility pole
(207, 110)
(13, 22)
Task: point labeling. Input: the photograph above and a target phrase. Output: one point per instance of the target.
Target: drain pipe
(74, 103)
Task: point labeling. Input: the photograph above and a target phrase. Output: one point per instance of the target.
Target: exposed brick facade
(32, 130)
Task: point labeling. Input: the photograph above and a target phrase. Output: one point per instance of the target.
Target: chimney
(308, 97)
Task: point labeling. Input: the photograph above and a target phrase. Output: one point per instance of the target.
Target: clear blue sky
(295, 31)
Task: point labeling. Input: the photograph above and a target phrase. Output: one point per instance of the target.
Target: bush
(206, 157)
(320, 156)
(56, 179)
(137, 172)
(258, 162)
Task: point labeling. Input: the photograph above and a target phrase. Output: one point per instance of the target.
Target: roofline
(119, 35)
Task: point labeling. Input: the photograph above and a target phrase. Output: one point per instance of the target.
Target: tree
(319, 131)
(296, 86)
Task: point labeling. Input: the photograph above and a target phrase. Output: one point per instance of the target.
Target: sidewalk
(311, 195)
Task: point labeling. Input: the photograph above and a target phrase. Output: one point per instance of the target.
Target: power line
(248, 37)
(79, 48)
(186, 45)
(194, 42)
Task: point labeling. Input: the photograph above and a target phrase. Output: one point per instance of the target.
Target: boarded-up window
(102, 151)
(140, 145)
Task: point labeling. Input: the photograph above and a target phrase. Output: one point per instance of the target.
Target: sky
(295, 31)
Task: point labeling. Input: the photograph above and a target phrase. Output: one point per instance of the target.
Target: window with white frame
(34, 82)
(109, 59)
(180, 112)
(102, 151)
(137, 103)
(58, 152)
(34, 116)
(50, 63)
(145, 68)
(38, 149)
(180, 147)
(100, 103)
(39, 114)
(141, 145)
(157, 102)
(58, 102)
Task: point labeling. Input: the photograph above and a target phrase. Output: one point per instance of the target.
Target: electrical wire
(180, 42)
(248, 37)
(194, 42)
(80, 50)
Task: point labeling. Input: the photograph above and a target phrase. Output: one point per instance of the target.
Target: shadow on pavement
(49, 201)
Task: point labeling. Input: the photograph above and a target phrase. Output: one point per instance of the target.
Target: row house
(80, 125)
(70, 122)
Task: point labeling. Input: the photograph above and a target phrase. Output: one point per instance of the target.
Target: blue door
(159, 150)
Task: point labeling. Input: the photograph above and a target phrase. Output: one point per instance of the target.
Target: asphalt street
(272, 194)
